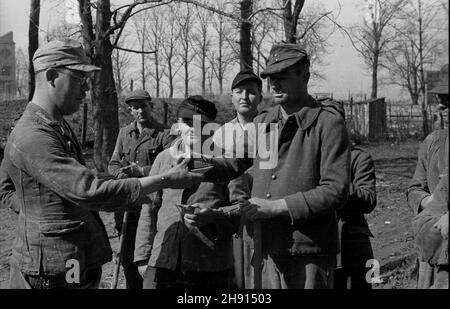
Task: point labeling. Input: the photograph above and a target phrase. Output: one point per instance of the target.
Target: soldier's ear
(51, 75)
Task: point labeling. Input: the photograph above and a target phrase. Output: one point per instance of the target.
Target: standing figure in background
(431, 167)
(234, 139)
(137, 146)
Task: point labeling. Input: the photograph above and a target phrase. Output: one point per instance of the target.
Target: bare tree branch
(135, 51)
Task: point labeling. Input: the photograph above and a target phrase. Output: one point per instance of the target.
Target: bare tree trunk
(33, 43)
(103, 93)
(220, 60)
(143, 56)
(425, 128)
(119, 71)
(291, 19)
(246, 57)
(373, 94)
(158, 77)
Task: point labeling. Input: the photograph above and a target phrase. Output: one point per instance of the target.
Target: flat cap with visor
(66, 53)
(283, 56)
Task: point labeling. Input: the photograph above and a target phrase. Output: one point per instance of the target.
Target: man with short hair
(296, 201)
(137, 146)
(59, 228)
(235, 140)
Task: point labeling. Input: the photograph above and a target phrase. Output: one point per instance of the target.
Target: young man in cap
(235, 140)
(192, 247)
(296, 201)
(61, 241)
(137, 146)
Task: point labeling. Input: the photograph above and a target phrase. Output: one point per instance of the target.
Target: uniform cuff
(297, 207)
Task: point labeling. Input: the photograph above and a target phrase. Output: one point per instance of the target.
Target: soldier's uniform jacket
(173, 243)
(426, 175)
(57, 196)
(362, 199)
(141, 149)
(312, 175)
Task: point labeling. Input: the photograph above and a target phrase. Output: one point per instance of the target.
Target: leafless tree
(419, 45)
(224, 53)
(141, 27)
(202, 43)
(372, 37)
(121, 65)
(155, 41)
(291, 15)
(169, 48)
(245, 38)
(33, 43)
(185, 21)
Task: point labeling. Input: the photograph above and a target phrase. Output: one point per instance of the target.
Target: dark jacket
(173, 242)
(362, 199)
(141, 149)
(58, 197)
(312, 174)
(426, 175)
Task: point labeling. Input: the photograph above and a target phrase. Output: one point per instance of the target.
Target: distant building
(7, 66)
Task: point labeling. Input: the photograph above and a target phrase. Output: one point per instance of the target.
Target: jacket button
(268, 195)
(137, 162)
(274, 177)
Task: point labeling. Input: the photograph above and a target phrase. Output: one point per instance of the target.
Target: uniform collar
(42, 114)
(304, 117)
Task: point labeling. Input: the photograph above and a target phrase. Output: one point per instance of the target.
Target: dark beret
(244, 75)
(197, 105)
(283, 56)
(138, 95)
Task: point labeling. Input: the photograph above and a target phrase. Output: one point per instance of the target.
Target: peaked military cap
(67, 53)
(244, 75)
(283, 56)
(138, 94)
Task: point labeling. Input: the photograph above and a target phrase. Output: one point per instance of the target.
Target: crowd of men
(191, 218)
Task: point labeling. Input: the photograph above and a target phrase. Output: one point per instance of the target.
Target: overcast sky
(344, 70)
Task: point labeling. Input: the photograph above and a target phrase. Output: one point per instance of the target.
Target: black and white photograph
(208, 148)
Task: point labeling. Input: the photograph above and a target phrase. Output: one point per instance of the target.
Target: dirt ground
(390, 222)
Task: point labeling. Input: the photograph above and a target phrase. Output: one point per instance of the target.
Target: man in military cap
(296, 201)
(235, 140)
(61, 241)
(137, 146)
(425, 197)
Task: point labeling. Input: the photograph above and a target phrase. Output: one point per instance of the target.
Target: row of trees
(402, 39)
(178, 47)
(175, 41)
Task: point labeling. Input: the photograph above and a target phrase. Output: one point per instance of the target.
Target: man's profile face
(70, 87)
(140, 110)
(288, 84)
(245, 97)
